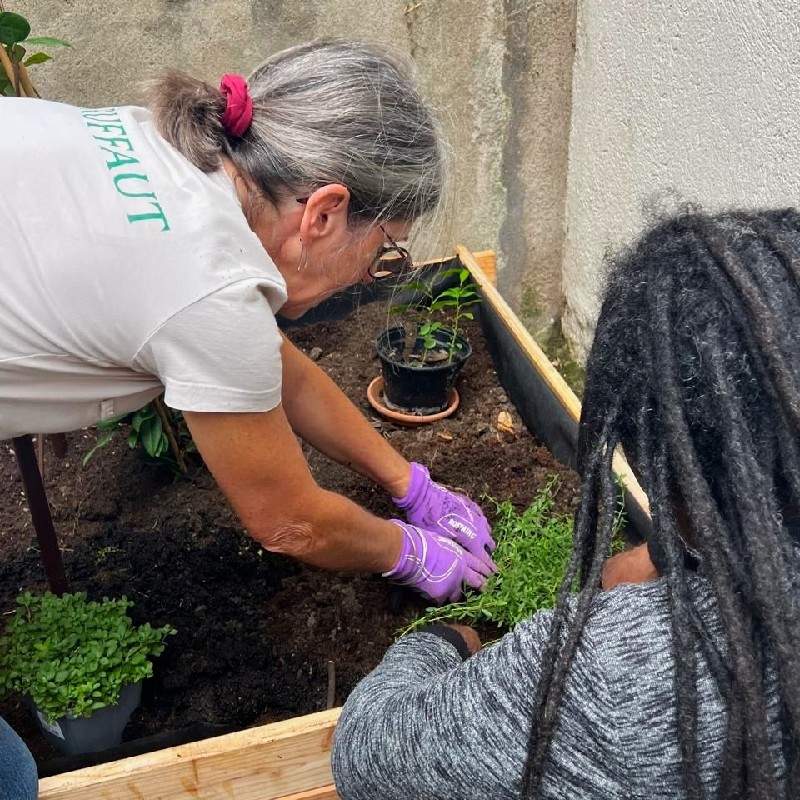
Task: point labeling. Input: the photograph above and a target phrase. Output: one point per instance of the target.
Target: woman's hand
(632, 566)
(435, 565)
(469, 635)
(431, 506)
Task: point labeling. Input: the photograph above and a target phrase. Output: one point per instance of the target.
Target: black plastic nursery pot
(422, 388)
(99, 731)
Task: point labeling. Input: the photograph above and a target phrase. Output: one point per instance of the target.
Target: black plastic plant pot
(419, 388)
(103, 729)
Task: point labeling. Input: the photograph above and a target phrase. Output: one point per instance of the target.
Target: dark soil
(256, 631)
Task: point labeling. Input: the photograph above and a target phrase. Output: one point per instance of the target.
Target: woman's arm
(320, 412)
(258, 463)
(630, 566)
(424, 724)
(322, 415)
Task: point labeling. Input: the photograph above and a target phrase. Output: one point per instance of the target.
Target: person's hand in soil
(435, 565)
(434, 507)
(257, 461)
(631, 566)
(469, 635)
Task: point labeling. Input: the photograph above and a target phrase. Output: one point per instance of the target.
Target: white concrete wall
(674, 100)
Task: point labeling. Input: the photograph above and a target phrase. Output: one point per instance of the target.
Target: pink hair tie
(238, 112)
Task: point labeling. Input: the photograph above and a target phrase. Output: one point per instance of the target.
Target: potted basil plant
(80, 663)
(422, 356)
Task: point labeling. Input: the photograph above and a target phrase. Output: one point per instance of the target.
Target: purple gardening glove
(431, 506)
(435, 565)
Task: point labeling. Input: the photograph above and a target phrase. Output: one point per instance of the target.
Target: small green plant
(442, 310)
(161, 432)
(533, 550)
(74, 656)
(15, 42)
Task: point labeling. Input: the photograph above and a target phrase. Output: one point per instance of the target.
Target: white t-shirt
(124, 271)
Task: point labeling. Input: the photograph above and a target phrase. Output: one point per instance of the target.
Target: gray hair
(329, 111)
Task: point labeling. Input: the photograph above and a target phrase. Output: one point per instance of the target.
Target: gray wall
(498, 70)
(561, 148)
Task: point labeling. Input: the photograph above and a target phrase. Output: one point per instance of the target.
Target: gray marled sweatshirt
(426, 725)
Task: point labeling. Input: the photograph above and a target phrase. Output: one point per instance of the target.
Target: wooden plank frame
(282, 761)
(291, 760)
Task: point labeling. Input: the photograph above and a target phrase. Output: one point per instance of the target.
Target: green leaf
(47, 41)
(13, 27)
(413, 287)
(110, 424)
(150, 434)
(101, 442)
(37, 58)
(163, 445)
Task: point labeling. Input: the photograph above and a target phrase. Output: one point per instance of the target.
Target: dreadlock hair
(695, 372)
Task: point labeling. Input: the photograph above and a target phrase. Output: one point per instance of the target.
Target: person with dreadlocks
(686, 685)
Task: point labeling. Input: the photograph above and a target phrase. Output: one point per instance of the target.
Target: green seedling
(163, 435)
(533, 550)
(74, 656)
(440, 311)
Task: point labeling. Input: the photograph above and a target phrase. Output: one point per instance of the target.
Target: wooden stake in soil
(40, 454)
(40, 514)
(59, 444)
(331, 699)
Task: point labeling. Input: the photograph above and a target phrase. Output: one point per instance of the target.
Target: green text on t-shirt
(120, 155)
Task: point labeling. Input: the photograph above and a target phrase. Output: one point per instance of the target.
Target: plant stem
(167, 425)
(8, 67)
(452, 347)
(26, 81)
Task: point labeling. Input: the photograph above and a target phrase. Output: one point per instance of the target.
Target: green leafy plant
(160, 431)
(533, 550)
(74, 656)
(440, 310)
(15, 55)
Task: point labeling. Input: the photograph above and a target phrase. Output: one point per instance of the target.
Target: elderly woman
(150, 250)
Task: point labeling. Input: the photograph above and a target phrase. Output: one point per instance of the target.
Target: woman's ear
(325, 213)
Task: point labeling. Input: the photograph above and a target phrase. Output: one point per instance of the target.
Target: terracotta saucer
(375, 397)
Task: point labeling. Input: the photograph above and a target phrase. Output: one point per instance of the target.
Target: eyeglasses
(393, 261)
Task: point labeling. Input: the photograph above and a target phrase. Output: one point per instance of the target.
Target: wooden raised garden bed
(289, 759)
